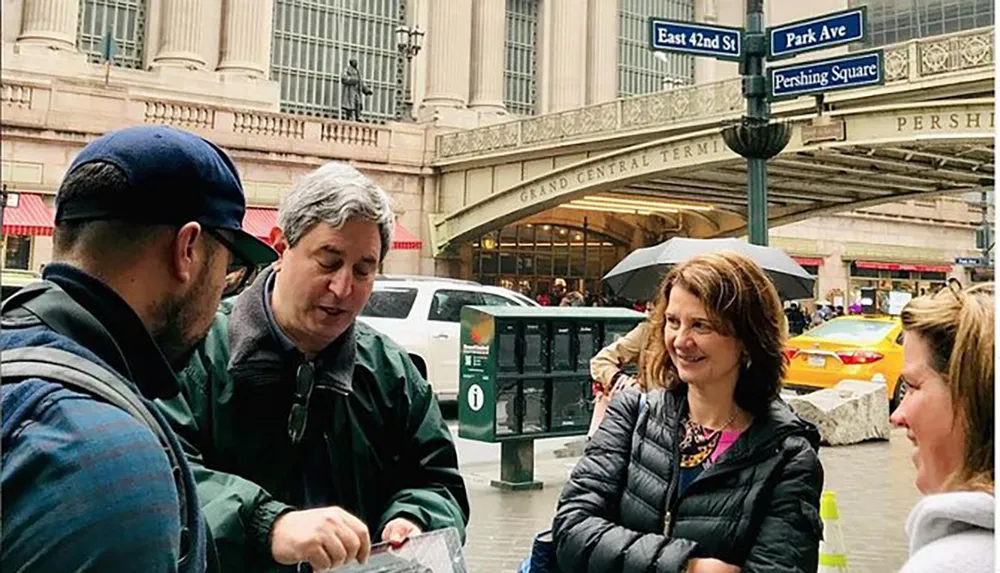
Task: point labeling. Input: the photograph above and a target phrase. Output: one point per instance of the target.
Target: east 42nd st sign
(698, 39)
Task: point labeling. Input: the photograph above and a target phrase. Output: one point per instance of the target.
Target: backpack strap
(78, 373)
(47, 302)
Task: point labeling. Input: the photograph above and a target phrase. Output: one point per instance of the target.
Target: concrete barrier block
(851, 412)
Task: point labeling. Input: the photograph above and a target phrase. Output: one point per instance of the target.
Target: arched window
(315, 39)
(894, 21)
(123, 21)
(520, 91)
(639, 70)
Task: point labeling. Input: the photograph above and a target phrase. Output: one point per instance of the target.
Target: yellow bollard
(832, 553)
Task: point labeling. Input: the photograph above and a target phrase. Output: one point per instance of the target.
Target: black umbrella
(639, 274)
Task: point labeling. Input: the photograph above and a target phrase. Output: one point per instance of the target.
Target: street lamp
(408, 43)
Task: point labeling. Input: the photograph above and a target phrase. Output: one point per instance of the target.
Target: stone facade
(204, 71)
(930, 233)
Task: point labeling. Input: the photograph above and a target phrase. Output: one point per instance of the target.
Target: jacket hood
(945, 514)
(785, 422)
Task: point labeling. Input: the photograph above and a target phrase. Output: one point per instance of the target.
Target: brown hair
(744, 304)
(959, 327)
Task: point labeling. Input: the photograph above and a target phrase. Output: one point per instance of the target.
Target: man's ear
(277, 239)
(185, 255)
(280, 244)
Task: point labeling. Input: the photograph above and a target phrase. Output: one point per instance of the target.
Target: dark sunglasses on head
(239, 272)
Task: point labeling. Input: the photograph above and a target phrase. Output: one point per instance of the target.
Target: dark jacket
(757, 507)
(86, 487)
(379, 448)
(796, 321)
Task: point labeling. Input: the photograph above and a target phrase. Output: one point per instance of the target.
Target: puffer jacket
(757, 507)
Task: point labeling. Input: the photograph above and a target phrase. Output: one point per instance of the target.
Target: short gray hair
(334, 194)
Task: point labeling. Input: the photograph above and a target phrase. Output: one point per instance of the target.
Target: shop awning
(259, 221)
(808, 261)
(404, 240)
(27, 214)
(881, 266)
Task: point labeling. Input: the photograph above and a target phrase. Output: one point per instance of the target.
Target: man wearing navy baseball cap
(147, 238)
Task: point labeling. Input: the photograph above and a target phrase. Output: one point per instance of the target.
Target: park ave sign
(822, 32)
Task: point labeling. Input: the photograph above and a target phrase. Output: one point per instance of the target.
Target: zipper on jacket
(674, 481)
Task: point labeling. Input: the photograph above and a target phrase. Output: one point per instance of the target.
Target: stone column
(50, 22)
(246, 37)
(180, 34)
(449, 42)
(568, 29)
(489, 19)
(602, 51)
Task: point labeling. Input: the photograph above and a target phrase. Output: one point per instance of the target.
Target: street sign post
(968, 261)
(823, 76)
(756, 138)
(818, 33)
(699, 39)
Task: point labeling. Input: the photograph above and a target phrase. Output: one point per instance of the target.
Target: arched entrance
(528, 257)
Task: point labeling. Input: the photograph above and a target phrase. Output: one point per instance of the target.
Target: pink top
(727, 439)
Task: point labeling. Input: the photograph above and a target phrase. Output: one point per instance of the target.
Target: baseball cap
(175, 177)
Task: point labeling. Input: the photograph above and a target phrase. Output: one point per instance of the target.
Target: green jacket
(379, 450)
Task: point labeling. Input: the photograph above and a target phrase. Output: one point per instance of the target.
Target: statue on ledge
(352, 89)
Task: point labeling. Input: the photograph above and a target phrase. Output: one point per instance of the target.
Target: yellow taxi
(848, 348)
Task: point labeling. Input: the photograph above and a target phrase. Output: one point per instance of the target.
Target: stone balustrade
(32, 104)
(915, 61)
(270, 125)
(16, 96)
(180, 115)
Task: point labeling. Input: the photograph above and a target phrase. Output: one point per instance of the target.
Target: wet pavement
(873, 483)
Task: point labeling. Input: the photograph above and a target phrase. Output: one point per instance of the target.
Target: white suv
(423, 315)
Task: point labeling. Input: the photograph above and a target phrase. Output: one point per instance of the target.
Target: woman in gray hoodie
(948, 365)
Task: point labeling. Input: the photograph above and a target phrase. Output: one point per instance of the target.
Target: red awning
(26, 214)
(880, 266)
(404, 240)
(259, 222)
(809, 262)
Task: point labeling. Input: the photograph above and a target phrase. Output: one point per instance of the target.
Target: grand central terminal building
(525, 140)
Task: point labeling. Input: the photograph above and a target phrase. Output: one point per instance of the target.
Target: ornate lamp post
(408, 43)
(755, 137)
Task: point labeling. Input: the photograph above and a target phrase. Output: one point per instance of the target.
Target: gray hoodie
(951, 532)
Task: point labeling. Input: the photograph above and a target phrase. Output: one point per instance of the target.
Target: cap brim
(252, 249)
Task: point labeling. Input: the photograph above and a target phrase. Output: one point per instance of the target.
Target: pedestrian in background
(316, 434)
(607, 370)
(709, 470)
(148, 220)
(796, 320)
(948, 366)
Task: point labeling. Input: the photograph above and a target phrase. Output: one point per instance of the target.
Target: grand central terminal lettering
(642, 162)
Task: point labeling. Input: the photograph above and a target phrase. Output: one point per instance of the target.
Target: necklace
(698, 442)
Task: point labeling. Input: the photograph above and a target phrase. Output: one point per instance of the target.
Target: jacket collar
(253, 340)
(140, 360)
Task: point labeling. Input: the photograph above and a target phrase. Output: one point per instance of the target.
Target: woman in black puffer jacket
(709, 471)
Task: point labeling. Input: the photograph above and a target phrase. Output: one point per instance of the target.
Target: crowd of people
(560, 295)
(154, 420)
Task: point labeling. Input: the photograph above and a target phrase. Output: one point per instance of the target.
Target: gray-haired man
(314, 432)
